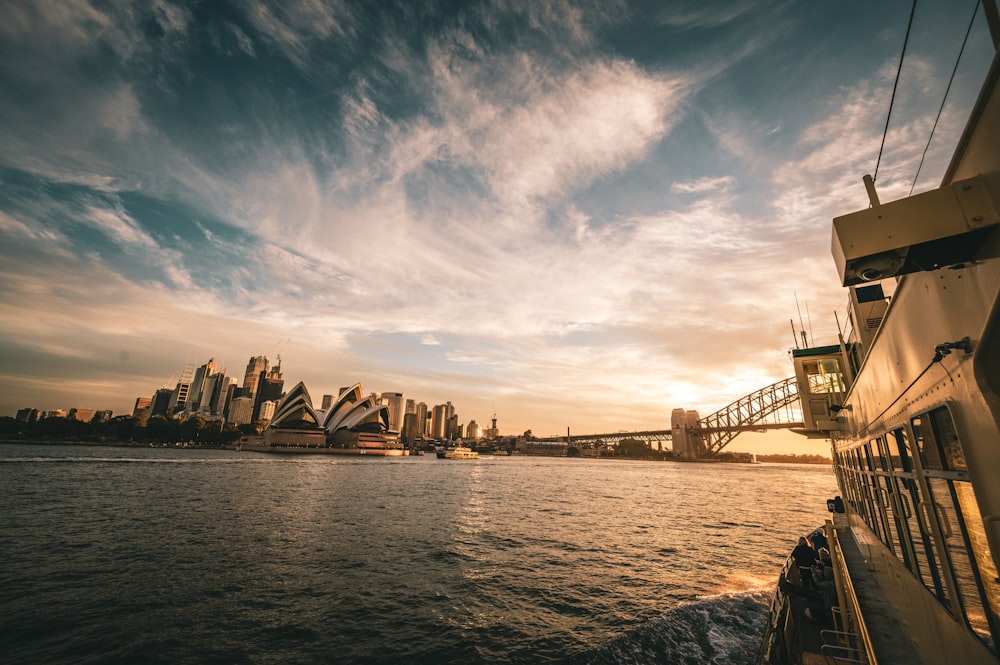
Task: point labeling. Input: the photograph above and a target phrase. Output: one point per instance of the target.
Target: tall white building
(396, 404)
(198, 384)
(267, 409)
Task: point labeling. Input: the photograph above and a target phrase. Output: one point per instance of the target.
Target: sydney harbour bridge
(773, 407)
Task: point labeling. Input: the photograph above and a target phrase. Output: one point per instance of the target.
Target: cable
(913, 10)
(975, 10)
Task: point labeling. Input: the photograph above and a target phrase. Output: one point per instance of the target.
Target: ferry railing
(839, 651)
(857, 639)
(772, 646)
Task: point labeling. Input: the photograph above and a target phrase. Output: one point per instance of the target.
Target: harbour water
(130, 555)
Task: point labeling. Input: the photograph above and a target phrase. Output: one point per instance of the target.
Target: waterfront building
(411, 406)
(201, 376)
(265, 410)
(492, 433)
(160, 403)
(218, 388)
(270, 387)
(421, 411)
(240, 410)
(473, 430)
(203, 405)
(101, 416)
(179, 397)
(140, 404)
(438, 422)
(255, 366)
(352, 423)
(410, 433)
(395, 402)
(327, 402)
(83, 415)
(28, 415)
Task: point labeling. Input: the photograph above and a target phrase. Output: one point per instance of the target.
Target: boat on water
(910, 400)
(461, 452)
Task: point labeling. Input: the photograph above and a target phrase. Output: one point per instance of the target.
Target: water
(130, 555)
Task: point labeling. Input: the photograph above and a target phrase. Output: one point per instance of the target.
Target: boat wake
(716, 629)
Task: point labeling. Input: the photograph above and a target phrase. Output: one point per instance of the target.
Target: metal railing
(853, 637)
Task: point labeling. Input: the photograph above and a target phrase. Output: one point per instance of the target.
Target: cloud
(703, 185)
(293, 25)
(705, 14)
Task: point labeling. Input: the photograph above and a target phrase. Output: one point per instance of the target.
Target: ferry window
(929, 457)
(938, 441)
(954, 500)
(960, 522)
(949, 449)
(926, 562)
(898, 453)
(867, 460)
(879, 461)
(824, 376)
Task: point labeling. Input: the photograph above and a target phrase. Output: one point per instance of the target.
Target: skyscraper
(255, 366)
(395, 402)
(198, 384)
(179, 396)
(160, 402)
(270, 386)
(439, 421)
(141, 403)
(421, 411)
(240, 410)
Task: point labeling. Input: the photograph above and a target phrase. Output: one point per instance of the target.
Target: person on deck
(805, 558)
(818, 539)
(824, 581)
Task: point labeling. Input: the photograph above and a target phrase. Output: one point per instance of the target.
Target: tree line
(125, 429)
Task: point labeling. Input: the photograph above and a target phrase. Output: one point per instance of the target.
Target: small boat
(461, 452)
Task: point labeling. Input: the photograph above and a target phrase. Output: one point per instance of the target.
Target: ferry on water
(461, 452)
(910, 400)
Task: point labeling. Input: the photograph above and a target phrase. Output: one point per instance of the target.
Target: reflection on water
(117, 554)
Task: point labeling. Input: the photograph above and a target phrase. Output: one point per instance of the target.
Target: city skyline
(571, 214)
(209, 392)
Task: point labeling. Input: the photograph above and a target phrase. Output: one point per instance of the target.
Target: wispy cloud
(703, 185)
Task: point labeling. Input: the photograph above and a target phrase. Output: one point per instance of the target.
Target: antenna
(809, 319)
(795, 338)
(802, 326)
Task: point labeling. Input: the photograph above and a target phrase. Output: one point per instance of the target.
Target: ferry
(909, 398)
(461, 452)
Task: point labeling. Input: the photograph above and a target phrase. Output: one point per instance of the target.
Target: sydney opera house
(354, 424)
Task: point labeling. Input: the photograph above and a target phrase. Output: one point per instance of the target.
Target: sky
(570, 214)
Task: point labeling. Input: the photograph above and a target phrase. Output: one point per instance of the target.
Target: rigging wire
(975, 10)
(906, 39)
